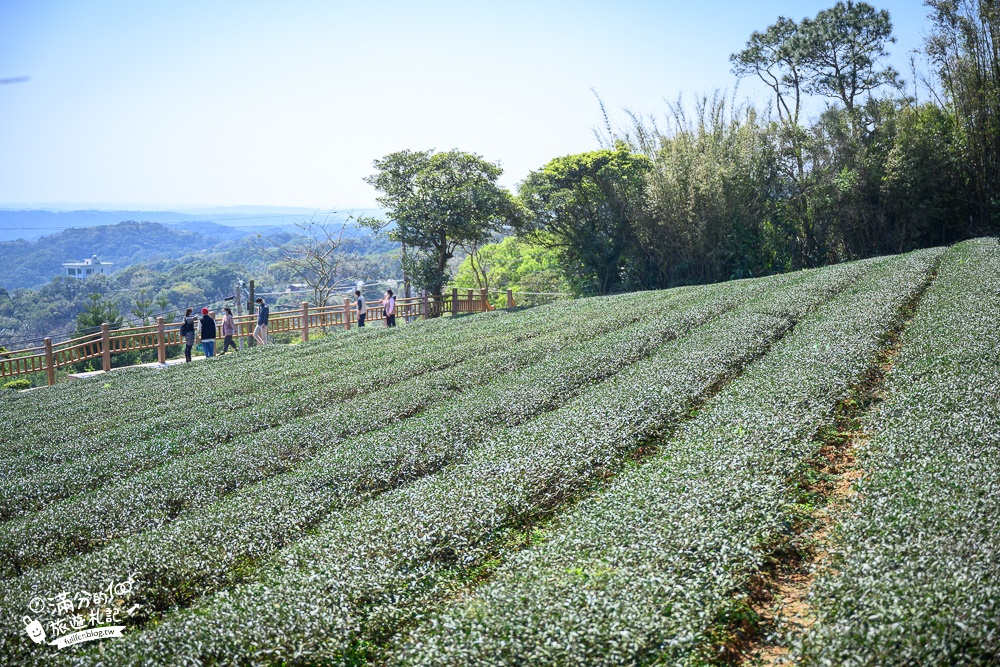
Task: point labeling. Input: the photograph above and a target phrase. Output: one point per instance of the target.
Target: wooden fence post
(484, 300)
(510, 299)
(424, 313)
(251, 310)
(470, 302)
(454, 301)
(106, 346)
(161, 341)
(50, 366)
(347, 314)
(305, 321)
(239, 313)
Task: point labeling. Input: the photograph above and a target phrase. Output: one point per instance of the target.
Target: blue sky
(191, 104)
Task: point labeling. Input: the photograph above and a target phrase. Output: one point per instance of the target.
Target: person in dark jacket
(263, 313)
(207, 333)
(187, 333)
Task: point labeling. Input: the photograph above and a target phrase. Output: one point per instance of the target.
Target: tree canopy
(589, 206)
(439, 202)
(838, 54)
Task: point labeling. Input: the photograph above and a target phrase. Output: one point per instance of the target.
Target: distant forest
(717, 192)
(158, 271)
(735, 191)
(728, 190)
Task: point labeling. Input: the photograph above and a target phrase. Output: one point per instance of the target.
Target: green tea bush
(195, 480)
(647, 570)
(305, 387)
(182, 556)
(916, 575)
(370, 567)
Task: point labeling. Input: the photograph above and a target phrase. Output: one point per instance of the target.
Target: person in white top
(389, 304)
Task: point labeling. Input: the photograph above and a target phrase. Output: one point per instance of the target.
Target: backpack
(187, 327)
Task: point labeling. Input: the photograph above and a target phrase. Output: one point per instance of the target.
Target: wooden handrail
(50, 356)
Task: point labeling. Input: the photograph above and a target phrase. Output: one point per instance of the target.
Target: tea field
(606, 481)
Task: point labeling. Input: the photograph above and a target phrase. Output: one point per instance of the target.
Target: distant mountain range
(31, 263)
(31, 224)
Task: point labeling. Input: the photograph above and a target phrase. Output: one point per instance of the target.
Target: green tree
(96, 312)
(439, 202)
(513, 263)
(773, 57)
(965, 46)
(142, 307)
(162, 302)
(776, 59)
(590, 206)
(842, 49)
(923, 183)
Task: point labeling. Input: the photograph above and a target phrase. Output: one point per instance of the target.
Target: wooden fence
(51, 356)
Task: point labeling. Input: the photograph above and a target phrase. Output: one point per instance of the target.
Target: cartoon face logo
(34, 630)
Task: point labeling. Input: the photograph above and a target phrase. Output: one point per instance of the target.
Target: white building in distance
(87, 267)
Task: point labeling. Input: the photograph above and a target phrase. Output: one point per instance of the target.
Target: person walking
(208, 331)
(361, 308)
(187, 333)
(263, 313)
(228, 329)
(389, 304)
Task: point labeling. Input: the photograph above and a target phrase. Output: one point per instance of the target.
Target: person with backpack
(263, 313)
(389, 304)
(361, 307)
(228, 329)
(187, 333)
(207, 333)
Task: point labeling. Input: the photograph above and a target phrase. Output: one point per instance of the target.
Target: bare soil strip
(780, 594)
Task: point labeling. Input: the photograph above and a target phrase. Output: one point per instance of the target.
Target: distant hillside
(32, 263)
(231, 222)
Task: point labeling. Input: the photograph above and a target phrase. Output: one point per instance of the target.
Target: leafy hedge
(370, 567)
(187, 413)
(377, 495)
(649, 570)
(181, 557)
(916, 578)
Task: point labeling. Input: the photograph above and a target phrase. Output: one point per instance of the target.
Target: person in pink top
(389, 305)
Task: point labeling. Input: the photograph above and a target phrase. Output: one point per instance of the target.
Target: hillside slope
(603, 481)
(32, 263)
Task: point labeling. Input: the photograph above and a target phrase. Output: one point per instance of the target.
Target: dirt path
(784, 607)
(780, 596)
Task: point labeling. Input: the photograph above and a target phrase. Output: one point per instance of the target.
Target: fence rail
(107, 342)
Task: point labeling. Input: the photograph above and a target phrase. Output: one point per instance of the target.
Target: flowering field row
(88, 521)
(215, 412)
(916, 580)
(465, 363)
(183, 558)
(93, 413)
(648, 570)
(86, 413)
(367, 568)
